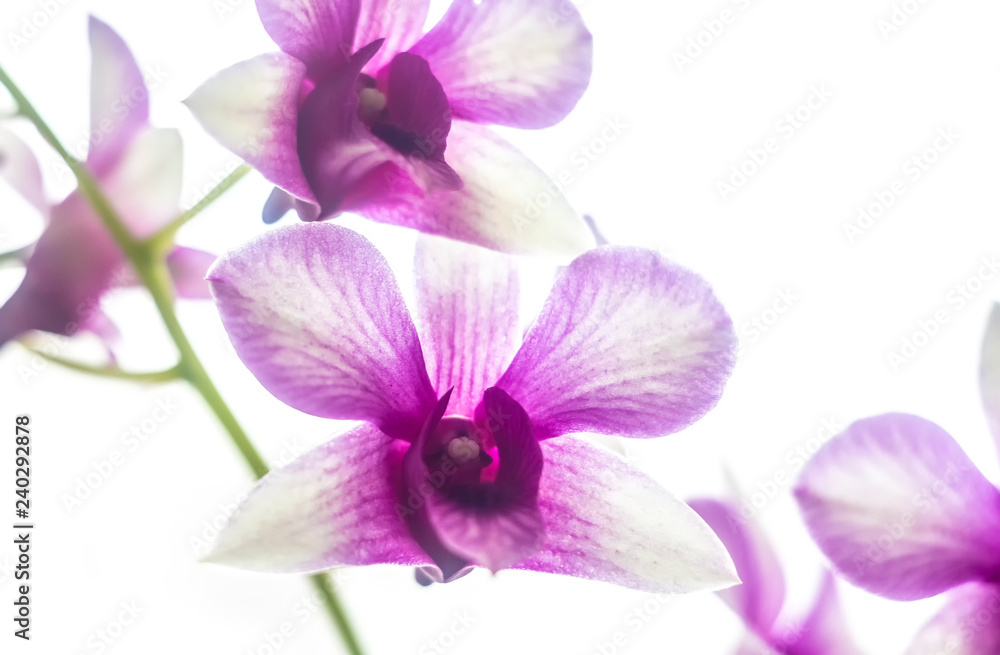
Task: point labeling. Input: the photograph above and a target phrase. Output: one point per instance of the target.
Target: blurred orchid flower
(356, 114)
(903, 512)
(76, 260)
(465, 457)
(760, 597)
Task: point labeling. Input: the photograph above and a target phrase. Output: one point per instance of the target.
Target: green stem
(167, 375)
(165, 237)
(148, 259)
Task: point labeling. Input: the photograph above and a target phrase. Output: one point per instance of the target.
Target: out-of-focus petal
(989, 374)
(315, 314)
(74, 262)
(19, 168)
(467, 310)
(497, 524)
(251, 108)
(759, 599)
(335, 505)
(399, 22)
(119, 100)
(188, 267)
(521, 63)
(144, 184)
(606, 521)
(825, 630)
(506, 202)
(900, 509)
(319, 33)
(969, 624)
(627, 343)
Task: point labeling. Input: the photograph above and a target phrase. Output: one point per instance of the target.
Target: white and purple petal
(467, 317)
(825, 630)
(314, 312)
(251, 108)
(188, 267)
(969, 624)
(399, 22)
(506, 202)
(319, 33)
(606, 521)
(520, 63)
(19, 168)
(758, 600)
(335, 505)
(989, 374)
(900, 509)
(144, 184)
(628, 343)
(119, 99)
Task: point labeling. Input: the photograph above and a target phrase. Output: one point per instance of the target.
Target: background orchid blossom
(465, 456)
(758, 600)
(76, 260)
(356, 114)
(903, 512)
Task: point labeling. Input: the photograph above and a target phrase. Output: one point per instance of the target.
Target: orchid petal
(63, 282)
(506, 202)
(144, 185)
(251, 108)
(315, 314)
(606, 521)
(467, 309)
(628, 344)
(969, 624)
(119, 100)
(520, 63)
(759, 599)
(399, 22)
(989, 374)
(20, 169)
(497, 524)
(335, 505)
(319, 33)
(825, 629)
(188, 267)
(900, 509)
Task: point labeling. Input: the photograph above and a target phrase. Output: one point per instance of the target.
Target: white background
(824, 358)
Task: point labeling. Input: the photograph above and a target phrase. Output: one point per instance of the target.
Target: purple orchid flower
(758, 600)
(903, 512)
(465, 457)
(76, 261)
(356, 114)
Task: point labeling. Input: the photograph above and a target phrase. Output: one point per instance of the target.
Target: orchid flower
(760, 597)
(465, 457)
(361, 112)
(903, 512)
(76, 260)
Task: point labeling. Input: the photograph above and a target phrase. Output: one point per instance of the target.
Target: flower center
(456, 450)
(371, 104)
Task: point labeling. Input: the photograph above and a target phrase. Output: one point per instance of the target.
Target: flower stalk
(148, 258)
